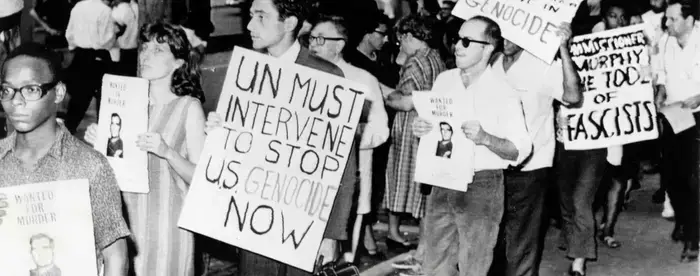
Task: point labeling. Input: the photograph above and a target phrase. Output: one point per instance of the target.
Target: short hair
(37, 51)
(446, 124)
(688, 8)
(421, 27)
(297, 8)
(117, 116)
(40, 236)
(606, 5)
(492, 32)
(339, 21)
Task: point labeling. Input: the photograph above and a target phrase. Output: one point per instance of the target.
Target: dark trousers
(679, 173)
(578, 174)
(522, 220)
(462, 228)
(84, 82)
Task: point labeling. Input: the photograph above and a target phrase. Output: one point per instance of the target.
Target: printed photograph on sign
(124, 116)
(618, 106)
(443, 153)
(266, 182)
(48, 230)
(530, 24)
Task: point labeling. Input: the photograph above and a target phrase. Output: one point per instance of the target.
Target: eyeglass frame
(467, 41)
(321, 40)
(45, 88)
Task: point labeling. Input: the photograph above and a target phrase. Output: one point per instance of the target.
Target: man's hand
(564, 32)
(691, 103)
(421, 126)
(213, 122)
(3, 206)
(659, 96)
(474, 132)
(329, 251)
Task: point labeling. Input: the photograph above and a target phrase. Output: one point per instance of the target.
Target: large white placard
(445, 156)
(532, 24)
(618, 106)
(124, 116)
(267, 182)
(48, 228)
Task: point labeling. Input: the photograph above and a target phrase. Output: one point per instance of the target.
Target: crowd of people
(522, 175)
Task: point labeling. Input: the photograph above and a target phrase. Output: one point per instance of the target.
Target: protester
(462, 227)
(42, 150)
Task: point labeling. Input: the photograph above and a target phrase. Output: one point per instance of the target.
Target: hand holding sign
(3, 205)
(213, 122)
(421, 126)
(692, 102)
(473, 131)
(328, 251)
(152, 142)
(91, 134)
(564, 32)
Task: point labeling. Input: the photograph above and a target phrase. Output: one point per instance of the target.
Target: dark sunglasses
(32, 92)
(467, 41)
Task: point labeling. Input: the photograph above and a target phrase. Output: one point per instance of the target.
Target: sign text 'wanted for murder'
(532, 24)
(268, 181)
(618, 106)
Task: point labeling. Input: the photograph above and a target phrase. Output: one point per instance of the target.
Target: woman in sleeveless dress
(174, 141)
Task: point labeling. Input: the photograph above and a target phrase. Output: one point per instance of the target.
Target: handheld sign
(48, 227)
(532, 24)
(124, 116)
(266, 183)
(618, 106)
(445, 156)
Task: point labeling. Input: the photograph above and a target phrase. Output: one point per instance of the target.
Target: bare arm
(501, 147)
(116, 259)
(399, 101)
(195, 136)
(573, 92)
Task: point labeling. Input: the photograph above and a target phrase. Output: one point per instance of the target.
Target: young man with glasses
(42, 150)
(537, 85)
(463, 226)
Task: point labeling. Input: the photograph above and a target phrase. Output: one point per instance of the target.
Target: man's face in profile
(42, 252)
(446, 132)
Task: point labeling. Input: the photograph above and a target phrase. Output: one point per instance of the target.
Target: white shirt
(496, 106)
(537, 84)
(376, 131)
(10, 7)
(91, 26)
(292, 53)
(680, 71)
(127, 14)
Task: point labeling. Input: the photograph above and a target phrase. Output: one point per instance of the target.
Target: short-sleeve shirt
(69, 159)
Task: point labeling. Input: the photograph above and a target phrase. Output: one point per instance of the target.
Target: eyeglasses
(467, 41)
(320, 40)
(31, 92)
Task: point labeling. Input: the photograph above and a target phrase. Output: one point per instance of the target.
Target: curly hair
(186, 79)
(421, 27)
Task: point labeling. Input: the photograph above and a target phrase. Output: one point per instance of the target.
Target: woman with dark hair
(174, 141)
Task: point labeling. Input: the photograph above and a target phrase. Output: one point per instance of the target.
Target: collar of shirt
(8, 144)
(292, 53)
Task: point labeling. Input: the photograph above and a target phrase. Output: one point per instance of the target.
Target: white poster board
(445, 156)
(48, 226)
(531, 24)
(124, 116)
(268, 181)
(618, 106)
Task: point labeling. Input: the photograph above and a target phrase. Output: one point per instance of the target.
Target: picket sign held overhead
(531, 24)
(123, 117)
(618, 106)
(267, 182)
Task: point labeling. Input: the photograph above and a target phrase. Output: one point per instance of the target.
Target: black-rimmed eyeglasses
(467, 41)
(31, 92)
(320, 40)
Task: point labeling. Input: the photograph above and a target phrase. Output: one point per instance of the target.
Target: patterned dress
(161, 247)
(402, 194)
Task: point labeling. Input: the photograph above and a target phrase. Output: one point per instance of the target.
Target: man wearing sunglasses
(537, 84)
(42, 150)
(464, 225)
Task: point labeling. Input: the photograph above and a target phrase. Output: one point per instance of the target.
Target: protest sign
(445, 156)
(532, 24)
(267, 182)
(618, 106)
(48, 229)
(124, 116)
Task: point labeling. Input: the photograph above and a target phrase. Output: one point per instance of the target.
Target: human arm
(411, 76)
(33, 13)
(376, 130)
(106, 30)
(3, 206)
(500, 146)
(115, 256)
(573, 92)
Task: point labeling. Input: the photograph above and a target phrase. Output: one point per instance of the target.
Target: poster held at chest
(444, 154)
(618, 106)
(48, 230)
(124, 116)
(532, 24)
(266, 182)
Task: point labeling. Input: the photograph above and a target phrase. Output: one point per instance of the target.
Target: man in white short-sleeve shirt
(537, 84)
(463, 226)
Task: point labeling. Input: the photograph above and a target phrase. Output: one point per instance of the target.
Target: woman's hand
(213, 122)
(91, 134)
(153, 142)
